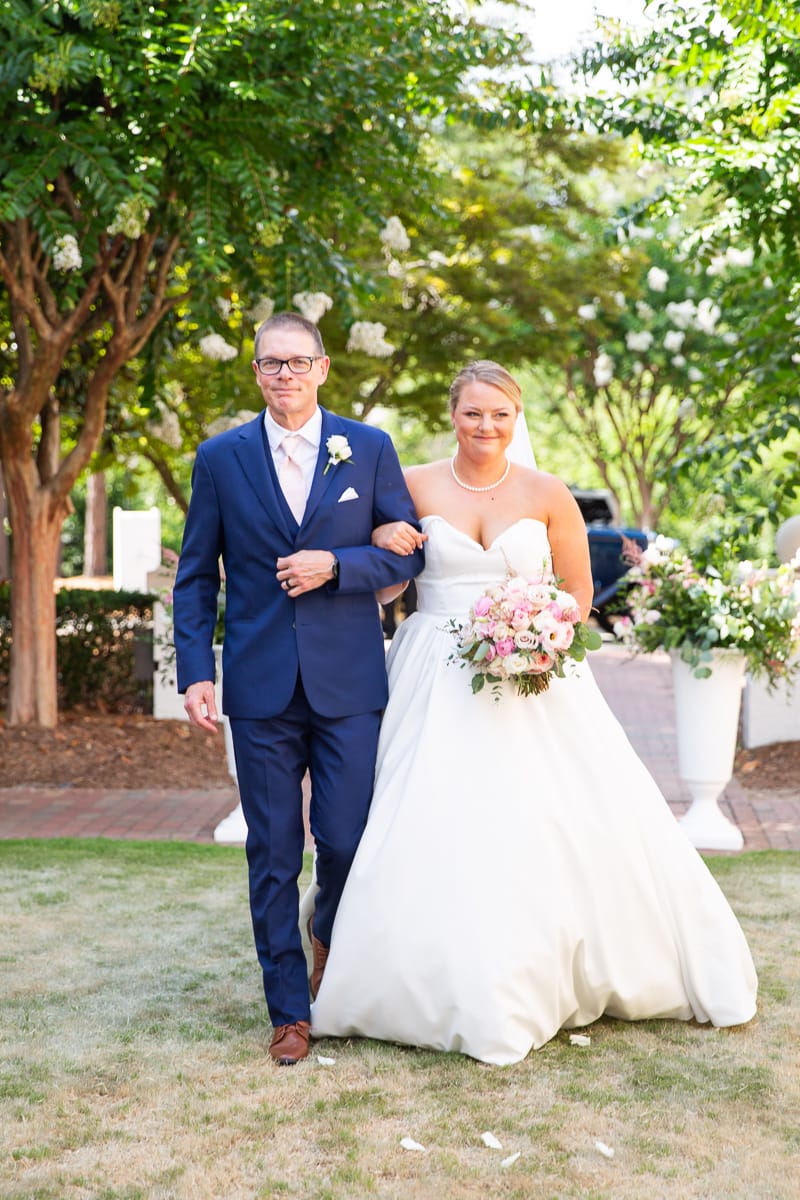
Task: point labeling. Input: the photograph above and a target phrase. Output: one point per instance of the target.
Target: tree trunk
(5, 552)
(95, 530)
(36, 521)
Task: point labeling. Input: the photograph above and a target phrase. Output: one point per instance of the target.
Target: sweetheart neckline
(471, 540)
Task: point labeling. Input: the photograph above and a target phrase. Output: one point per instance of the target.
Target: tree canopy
(153, 148)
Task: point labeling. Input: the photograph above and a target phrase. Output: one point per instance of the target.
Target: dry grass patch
(134, 1062)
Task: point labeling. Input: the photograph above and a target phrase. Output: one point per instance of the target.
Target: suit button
(294, 625)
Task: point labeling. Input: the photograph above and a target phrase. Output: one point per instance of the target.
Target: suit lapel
(331, 424)
(255, 460)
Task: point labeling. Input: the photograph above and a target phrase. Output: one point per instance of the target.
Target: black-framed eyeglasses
(301, 364)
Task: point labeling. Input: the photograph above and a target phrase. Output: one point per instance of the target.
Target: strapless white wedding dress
(520, 871)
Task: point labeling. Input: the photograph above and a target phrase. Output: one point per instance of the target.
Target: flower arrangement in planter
(745, 607)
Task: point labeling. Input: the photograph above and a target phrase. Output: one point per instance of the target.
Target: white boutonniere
(339, 450)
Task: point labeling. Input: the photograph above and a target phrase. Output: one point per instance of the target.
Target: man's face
(290, 398)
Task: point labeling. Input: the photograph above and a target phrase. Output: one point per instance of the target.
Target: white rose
(338, 447)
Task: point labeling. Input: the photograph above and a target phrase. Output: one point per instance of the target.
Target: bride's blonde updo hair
(486, 371)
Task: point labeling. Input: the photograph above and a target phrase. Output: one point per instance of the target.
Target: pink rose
(540, 662)
(505, 646)
(482, 606)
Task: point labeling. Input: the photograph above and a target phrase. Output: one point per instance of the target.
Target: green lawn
(134, 1061)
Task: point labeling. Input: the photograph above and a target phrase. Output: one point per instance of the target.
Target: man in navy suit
(304, 679)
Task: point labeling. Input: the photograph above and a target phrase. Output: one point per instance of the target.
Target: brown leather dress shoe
(290, 1043)
(319, 959)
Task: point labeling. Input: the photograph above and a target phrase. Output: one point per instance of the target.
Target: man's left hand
(305, 571)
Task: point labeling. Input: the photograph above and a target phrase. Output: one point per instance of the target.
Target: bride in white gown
(520, 871)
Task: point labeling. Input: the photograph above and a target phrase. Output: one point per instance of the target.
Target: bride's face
(483, 420)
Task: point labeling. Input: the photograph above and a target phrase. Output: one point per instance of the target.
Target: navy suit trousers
(272, 756)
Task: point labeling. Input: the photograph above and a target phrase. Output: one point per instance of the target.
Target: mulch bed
(112, 751)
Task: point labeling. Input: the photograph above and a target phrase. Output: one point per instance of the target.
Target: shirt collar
(311, 432)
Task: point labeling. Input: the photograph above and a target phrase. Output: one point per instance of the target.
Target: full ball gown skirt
(520, 871)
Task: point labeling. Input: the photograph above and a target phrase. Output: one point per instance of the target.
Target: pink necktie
(291, 478)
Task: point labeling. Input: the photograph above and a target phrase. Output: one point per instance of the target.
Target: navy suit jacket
(331, 635)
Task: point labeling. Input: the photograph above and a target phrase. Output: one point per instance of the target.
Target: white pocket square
(348, 494)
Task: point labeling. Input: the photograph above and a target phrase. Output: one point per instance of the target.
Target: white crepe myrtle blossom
(587, 312)
(368, 337)
(638, 368)
(679, 361)
(686, 408)
(603, 369)
(130, 218)
(657, 279)
(639, 340)
(681, 313)
(214, 346)
(740, 258)
(167, 428)
(643, 311)
(708, 313)
(262, 311)
(223, 424)
(718, 265)
(394, 236)
(67, 256)
(312, 305)
(694, 374)
(673, 340)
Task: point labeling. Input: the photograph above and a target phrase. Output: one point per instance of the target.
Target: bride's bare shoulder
(424, 484)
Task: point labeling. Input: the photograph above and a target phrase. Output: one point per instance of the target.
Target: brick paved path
(638, 690)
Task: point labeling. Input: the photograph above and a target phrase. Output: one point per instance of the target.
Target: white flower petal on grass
(579, 1039)
(491, 1141)
(605, 1150)
(409, 1144)
(512, 1158)
(325, 1062)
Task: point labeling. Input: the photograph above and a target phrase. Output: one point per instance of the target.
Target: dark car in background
(605, 551)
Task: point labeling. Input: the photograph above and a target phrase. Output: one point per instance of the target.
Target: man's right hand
(201, 705)
(399, 537)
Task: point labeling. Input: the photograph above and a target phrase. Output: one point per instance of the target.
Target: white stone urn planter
(232, 830)
(707, 723)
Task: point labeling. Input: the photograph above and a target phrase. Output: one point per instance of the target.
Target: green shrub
(96, 635)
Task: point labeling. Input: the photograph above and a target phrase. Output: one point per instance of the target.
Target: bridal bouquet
(524, 631)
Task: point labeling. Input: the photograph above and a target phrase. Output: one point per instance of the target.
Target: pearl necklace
(489, 486)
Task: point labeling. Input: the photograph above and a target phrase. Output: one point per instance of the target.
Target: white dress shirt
(307, 451)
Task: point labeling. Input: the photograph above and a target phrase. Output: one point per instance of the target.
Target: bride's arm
(566, 532)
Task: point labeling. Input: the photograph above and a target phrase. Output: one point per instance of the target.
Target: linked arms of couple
(302, 572)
